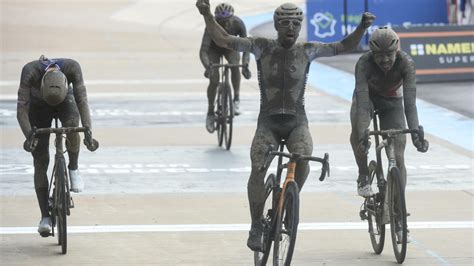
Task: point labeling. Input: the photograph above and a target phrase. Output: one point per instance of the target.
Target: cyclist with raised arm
(210, 53)
(50, 87)
(385, 81)
(283, 66)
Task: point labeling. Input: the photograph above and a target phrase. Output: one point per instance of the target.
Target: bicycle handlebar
(390, 133)
(91, 143)
(227, 65)
(59, 130)
(271, 153)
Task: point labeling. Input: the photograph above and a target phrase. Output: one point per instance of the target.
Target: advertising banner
(325, 18)
(440, 53)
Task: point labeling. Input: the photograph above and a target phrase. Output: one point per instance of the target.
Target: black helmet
(224, 10)
(288, 11)
(384, 40)
(54, 87)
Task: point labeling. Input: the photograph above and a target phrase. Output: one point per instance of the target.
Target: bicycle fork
(290, 177)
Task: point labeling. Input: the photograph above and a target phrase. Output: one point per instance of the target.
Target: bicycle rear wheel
(398, 215)
(286, 226)
(61, 204)
(228, 116)
(218, 115)
(374, 207)
(261, 257)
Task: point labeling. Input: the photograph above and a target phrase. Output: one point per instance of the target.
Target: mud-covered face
(385, 60)
(288, 31)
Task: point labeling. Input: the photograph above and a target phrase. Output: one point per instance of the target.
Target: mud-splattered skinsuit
(32, 110)
(377, 90)
(211, 53)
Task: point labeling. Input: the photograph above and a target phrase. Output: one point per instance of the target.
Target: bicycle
(388, 191)
(60, 201)
(224, 108)
(281, 212)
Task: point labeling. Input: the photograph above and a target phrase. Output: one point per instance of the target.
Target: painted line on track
(228, 227)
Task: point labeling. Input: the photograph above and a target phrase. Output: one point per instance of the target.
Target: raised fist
(204, 7)
(367, 19)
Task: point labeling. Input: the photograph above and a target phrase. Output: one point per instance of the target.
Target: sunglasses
(223, 14)
(288, 22)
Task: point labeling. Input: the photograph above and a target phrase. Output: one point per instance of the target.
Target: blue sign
(325, 18)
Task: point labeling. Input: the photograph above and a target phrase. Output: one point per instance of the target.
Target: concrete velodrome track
(159, 190)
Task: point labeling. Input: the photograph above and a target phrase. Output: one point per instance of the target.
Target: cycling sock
(73, 159)
(42, 195)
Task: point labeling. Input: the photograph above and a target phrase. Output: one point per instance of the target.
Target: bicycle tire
(62, 204)
(228, 116)
(286, 226)
(374, 206)
(398, 214)
(268, 221)
(218, 124)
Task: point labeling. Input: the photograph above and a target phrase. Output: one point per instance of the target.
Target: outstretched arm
(352, 40)
(218, 34)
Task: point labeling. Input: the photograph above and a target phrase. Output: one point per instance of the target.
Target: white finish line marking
(229, 227)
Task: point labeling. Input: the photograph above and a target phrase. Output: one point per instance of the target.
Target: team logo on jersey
(324, 24)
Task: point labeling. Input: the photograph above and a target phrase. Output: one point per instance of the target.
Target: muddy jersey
(387, 84)
(30, 85)
(399, 81)
(282, 72)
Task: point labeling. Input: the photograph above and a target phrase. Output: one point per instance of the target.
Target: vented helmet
(54, 87)
(384, 40)
(224, 10)
(288, 11)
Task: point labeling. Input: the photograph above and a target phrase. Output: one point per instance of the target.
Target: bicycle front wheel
(218, 115)
(228, 116)
(268, 221)
(374, 207)
(398, 215)
(61, 204)
(286, 226)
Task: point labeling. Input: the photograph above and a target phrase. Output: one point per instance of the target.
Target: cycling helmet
(54, 87)
(288, 11)
(384, 40)
(224, 10)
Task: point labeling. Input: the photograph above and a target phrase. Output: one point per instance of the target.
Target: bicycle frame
(224, 108)
(280, 194)
(224, 73)
(391, 194)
